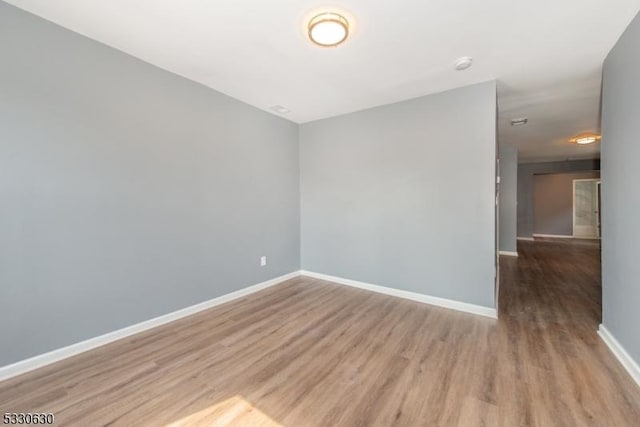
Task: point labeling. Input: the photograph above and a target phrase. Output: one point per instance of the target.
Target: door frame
(598, 181)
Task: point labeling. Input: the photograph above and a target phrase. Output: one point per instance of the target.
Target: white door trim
(573, 202)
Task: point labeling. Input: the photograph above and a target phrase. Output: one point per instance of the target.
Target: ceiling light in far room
(463, 63)
(519, 121)
(279, 109)
(585, 139)
(328, 29)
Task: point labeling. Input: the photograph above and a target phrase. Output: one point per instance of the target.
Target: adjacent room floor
(312, 353)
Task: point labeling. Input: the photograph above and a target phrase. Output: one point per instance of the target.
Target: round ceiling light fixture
(586, 139)
(328, 29)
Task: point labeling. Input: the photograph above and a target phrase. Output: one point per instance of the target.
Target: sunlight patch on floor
(235, 411)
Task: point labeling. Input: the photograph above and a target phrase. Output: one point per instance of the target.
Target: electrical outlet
(263, 261)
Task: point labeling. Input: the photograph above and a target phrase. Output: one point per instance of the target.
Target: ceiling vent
(519, 122)
(279, 109)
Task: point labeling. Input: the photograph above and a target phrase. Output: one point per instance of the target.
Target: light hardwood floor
(312, 353)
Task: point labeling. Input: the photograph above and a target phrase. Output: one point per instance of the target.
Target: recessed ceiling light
(279, 109)
(328, 29)
(586, 139)
(519, 121)
(463, 63)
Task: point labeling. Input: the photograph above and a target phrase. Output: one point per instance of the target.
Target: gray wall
(127, 192)
(403, 195)
(553, 202)
(508, 214)
(526, 171)
(620, 195)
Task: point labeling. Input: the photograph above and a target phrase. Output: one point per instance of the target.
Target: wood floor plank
(311, 353)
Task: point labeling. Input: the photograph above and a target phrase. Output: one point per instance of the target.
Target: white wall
(526, 172)
(620, 193)
(127, 192)
(403, 195)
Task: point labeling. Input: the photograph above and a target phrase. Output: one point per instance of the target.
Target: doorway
(586, 208)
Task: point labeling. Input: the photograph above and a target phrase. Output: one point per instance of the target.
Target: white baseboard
(41, 360)
(620, 353)
(554, 236)
(426, 299)
(508, 253)
(527, 239)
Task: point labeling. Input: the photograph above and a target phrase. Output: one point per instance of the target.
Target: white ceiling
(546, 54)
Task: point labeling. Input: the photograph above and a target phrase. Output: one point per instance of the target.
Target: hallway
(557, 367)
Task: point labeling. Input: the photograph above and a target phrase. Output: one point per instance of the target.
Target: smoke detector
(463, 63)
